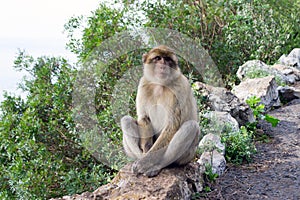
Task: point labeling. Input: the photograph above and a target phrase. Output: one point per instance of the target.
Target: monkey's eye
(168, 59)
(157, 58)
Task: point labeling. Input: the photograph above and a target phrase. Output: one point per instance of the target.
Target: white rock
(291, 73)
(215, 159)
(212, 141)
(222, 120)
(263, 88)
(259, 68)
(293, 59)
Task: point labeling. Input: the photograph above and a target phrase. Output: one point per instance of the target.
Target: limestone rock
(221, 120)
(172, 183)
(249, 67)
(264, 88)
(257, 68)
(221, 99)
(288, 93)
(216, 159)
(291, 73)
(212, 140)
(293, 59)
(213, 154)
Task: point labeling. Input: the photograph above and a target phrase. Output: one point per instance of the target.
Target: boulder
(265, 88)
(251, 66)
(293, 59)
(256, 68)
(213, 154)
(210, 142)
(291, 74)
(223, 100)
(288, 93)
(215, 159)
(221, 121)
(171, 183)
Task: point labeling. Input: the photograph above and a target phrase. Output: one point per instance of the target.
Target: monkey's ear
(144, 58)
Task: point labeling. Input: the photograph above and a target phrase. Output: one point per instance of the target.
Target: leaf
(273, 120)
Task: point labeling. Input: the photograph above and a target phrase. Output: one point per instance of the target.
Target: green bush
(41, 153)
(259, 111)
(232, 31)
(239, 145)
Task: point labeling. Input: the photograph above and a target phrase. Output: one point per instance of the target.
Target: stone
(264, 88)
(223, 100)
(213, 154)
(212, 141)
(292, 75)
(256, 68)
(288, 93)
(215, 159)
(222, 120)
(250, 66)
(293, 59)
(171, 183)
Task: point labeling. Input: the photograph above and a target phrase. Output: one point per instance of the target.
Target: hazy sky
(37, 27)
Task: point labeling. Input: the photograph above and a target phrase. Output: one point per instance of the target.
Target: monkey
(146, 134)
(166, 130)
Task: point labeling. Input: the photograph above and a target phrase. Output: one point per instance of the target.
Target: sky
(35, 26)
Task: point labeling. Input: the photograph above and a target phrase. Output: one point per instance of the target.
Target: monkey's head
(161, 65)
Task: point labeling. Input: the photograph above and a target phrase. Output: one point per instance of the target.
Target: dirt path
(275, 170)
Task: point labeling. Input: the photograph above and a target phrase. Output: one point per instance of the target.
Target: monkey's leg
(131, 137)
(182, 144)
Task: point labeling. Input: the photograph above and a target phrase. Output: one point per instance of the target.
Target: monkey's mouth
(162, 75)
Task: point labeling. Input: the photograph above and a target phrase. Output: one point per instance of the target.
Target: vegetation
(42, 153)
(259, 111)
(239, 145)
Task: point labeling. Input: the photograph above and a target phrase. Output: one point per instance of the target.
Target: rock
(220, 99)
(172, 183)
(212, 141)
(288, 93)
(215, 159)
(256, 68)
(213, 154)
(221, 120)
(249, 67)
(293, 59)
(291, 73)
(264, 88)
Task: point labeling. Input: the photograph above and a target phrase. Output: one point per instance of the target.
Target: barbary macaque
(166, 131)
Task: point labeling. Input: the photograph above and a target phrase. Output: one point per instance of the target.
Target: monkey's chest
(160, 111)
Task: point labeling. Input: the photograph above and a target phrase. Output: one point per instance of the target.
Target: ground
(274, 172)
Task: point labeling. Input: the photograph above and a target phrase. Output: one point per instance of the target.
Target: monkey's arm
(168, 132)
(141, 102)
(146, 134)
(164, 139)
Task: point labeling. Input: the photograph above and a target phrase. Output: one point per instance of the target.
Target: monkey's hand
(146, 134)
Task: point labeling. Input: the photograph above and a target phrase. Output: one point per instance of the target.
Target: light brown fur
(166, 131)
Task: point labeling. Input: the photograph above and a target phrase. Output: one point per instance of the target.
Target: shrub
(41, 153)
(239, 145)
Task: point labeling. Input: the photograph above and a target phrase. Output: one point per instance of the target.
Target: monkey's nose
(162, 61)
(162, 66)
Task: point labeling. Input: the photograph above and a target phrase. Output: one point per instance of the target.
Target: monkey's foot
(149, 170)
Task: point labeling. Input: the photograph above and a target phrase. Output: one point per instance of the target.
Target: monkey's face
(160, 65)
